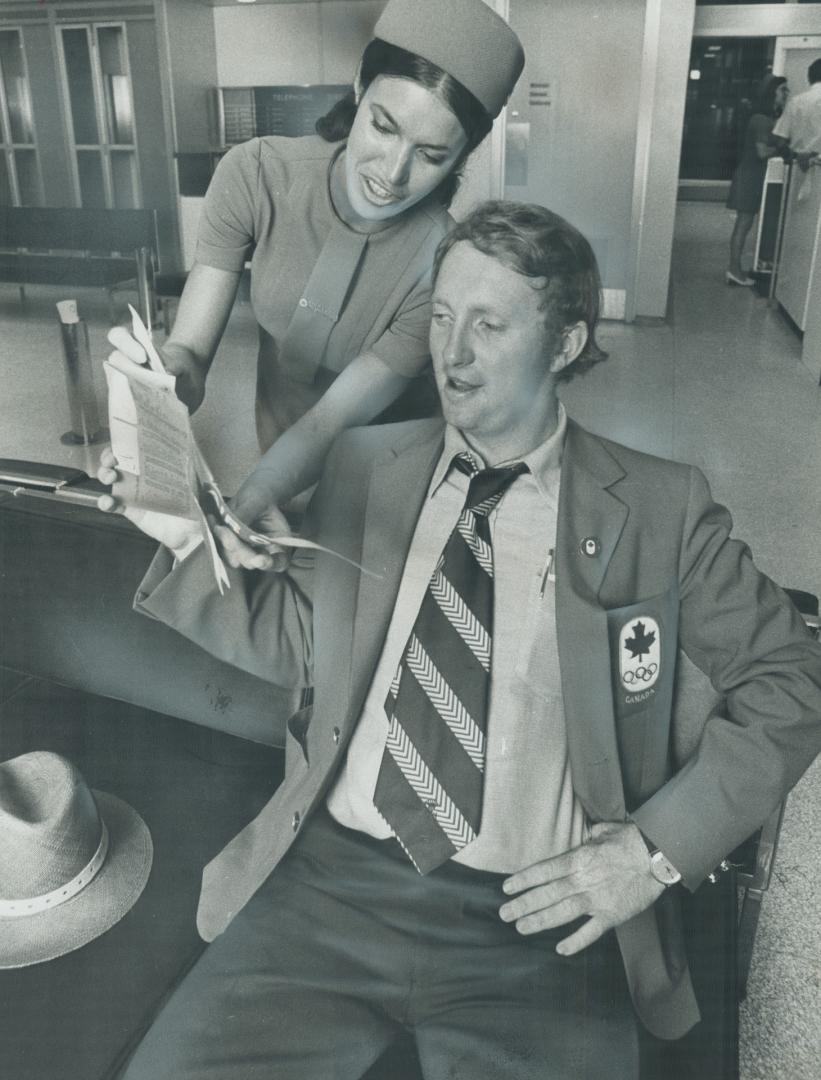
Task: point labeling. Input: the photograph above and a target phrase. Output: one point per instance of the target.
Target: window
(19, 171)
(101, 115)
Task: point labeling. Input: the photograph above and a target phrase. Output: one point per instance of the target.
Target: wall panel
(579, 98)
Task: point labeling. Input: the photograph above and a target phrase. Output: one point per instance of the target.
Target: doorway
(792, 57)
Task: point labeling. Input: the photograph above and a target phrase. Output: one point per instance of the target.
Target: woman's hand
(177, 534)
(177, 361)
(202, 314)
(126, 346)
(294, 462)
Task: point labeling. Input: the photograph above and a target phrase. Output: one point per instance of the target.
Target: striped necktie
(429, 787)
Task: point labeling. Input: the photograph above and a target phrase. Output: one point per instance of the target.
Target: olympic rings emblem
(643, 673)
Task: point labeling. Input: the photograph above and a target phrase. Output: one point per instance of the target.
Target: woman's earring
(357, 84)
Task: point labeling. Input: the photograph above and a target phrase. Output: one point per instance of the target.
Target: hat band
(12, 909)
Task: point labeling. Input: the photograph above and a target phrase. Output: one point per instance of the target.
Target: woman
(748, 180)
(343, 235)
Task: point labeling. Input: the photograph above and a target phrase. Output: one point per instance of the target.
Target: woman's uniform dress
(748, 181)
(322, 293)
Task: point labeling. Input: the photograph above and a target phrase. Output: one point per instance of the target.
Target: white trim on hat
(48, 816)
(12, 909)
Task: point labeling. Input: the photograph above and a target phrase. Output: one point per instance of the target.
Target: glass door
(20, 182)
(100, 110)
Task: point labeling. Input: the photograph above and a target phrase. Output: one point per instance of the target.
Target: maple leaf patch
(639, 654)
(639, 644)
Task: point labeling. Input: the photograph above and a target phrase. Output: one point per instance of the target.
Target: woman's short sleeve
(226, 233)
(404, 345)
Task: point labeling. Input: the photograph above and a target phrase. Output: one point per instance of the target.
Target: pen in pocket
(548, 574)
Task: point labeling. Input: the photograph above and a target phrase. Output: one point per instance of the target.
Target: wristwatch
(662, 869)
(660, 866)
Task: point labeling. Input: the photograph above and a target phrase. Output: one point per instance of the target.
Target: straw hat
(465, 38)
(72, 861)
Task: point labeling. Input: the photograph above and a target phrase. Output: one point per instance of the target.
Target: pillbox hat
(465, 38)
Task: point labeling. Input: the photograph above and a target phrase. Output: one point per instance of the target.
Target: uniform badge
(590, 546)
(639, 653)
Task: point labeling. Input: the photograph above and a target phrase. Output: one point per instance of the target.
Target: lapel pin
(590, 546)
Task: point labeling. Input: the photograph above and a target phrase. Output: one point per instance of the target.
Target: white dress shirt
(800, 123)
(529, 809)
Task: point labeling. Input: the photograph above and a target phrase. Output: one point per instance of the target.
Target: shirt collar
(543, 462)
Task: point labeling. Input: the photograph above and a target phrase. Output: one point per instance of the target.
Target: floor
(720, 385)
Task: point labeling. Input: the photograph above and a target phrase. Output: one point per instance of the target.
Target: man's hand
(177, 534)
(607, 878)
(806, 158)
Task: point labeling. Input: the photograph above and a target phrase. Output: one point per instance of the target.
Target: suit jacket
(645, 569)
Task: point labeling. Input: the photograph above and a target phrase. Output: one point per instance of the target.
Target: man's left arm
(742, 631)
(739, 628)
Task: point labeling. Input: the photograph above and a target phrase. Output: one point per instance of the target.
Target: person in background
(340, 229)
(486, 821)
(748, 180)
(799, 126)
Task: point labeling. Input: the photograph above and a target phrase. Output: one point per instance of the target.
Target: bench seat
(27, 268)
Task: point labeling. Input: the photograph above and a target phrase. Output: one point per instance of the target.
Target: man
(482, 829)
(799, 126)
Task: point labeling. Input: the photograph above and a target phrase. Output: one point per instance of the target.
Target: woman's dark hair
(539, 244)
(381, 58)
(764, 102)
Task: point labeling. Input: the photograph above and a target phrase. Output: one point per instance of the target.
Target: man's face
(492, 353)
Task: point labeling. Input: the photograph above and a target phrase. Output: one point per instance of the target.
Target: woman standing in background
(748, 181)
(341, 229)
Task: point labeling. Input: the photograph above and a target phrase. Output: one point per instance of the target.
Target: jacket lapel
(397, 489)
(587, 510)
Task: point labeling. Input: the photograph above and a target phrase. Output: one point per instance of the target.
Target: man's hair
(814, 72)
(539, 244)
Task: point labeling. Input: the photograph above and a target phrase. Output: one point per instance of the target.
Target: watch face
(663, 870)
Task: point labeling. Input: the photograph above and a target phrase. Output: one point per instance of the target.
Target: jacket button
(295, 820)
(336, 734)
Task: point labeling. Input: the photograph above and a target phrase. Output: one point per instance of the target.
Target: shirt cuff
(190, 546)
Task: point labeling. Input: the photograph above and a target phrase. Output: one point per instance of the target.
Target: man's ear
(574, 339)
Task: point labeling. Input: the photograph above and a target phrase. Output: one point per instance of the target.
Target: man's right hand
(177, 534)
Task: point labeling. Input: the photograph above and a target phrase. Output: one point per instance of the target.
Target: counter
(798, 284)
